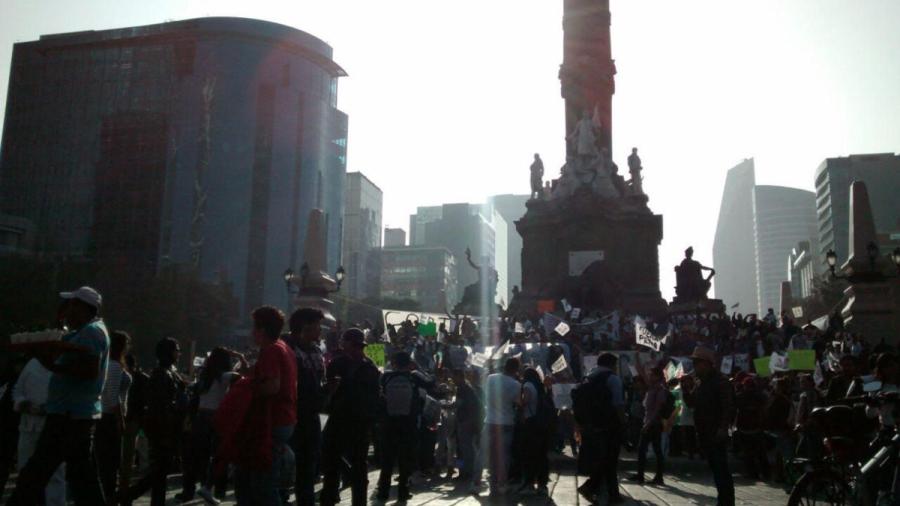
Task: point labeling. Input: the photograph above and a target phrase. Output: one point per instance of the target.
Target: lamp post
(873, 274)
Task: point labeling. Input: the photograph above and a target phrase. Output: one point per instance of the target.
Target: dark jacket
(166, 406)
(310, 381)
(713, 403)
(357, 396)
(469, 409)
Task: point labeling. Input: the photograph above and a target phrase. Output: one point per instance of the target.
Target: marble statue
(635, 168)
(583, 137)
(537, 177)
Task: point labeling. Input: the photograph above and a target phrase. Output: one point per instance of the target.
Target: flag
(560, 365)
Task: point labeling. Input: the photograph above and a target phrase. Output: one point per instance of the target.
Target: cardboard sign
(727, 363)
(778, 363)
(519, 328)
(560, 365)
(802, 360)
(645, 337)
(562, 329)
(375, 352)
(198, 361)
(589, 362)
(762, 367)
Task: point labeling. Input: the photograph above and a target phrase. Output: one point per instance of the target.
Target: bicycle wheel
(821, 488)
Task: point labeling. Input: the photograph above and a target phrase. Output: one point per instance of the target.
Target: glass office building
(202, 142)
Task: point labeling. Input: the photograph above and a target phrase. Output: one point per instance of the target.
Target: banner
(802, 360)
(375, 352)
(397, 316)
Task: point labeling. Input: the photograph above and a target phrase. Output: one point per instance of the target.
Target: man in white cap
(73, 405)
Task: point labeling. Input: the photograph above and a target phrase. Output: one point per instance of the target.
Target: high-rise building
(801, 270)
(461, 226)
(424, 274)
(362, 236)
(881, 173)
(394, 237)
(511, 208)
(733, 254)
(202, 142)
(782, 217)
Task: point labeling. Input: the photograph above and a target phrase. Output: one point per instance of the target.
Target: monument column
(587, 74)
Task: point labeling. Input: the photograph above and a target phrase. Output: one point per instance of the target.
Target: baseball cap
(85, 294)
(355, 336)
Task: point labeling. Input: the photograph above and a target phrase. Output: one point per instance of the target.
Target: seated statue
(690, 285)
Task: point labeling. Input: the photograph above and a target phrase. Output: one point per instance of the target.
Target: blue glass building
(202, 142)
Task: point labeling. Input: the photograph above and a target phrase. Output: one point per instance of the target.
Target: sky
(448, 100)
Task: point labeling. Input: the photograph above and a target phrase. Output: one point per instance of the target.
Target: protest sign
(727, 362)
(198, 361)
(818, 377)
(778, 363)
(645, 337)
(519, 328)
(566, 306)
(375, 352)
(741, 362)
(802, 360)
(576, 313)
(560, 365)
(562, 395)
(562, 329)
(477, 360)
(762, 367)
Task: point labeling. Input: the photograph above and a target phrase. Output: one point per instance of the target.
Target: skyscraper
(733, 252)
(782, 217)
(511, 208)
(881, 173)
(362, 236)
(202, 142)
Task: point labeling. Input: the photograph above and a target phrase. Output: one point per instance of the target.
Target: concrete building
(424, 274)
(202, 142)
(782, 217)
(733, 253)
(460, 226)
(394, 237)
(16, 235)
(362, 236)
(511, 208)
(801, 270)
(881, 173)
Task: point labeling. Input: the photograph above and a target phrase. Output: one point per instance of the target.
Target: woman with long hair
(212, 384)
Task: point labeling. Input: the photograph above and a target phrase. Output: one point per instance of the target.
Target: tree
(827, 292)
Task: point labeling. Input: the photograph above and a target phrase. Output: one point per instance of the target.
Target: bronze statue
(476, 293)
(537, 177)
(690, 284)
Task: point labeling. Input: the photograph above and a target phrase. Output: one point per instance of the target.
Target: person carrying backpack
(659, 404)
(538, 415)
(402, 390)
(598, 406)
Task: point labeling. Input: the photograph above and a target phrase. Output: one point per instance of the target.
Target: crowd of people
(484, 406)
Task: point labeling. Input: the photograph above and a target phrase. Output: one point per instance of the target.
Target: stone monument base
(679, 307)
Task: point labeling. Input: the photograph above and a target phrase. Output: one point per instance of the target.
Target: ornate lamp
(339, 276)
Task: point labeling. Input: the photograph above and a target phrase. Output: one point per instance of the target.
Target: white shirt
(213, 397)
(32, 386)
(501, 395)
(115, 389)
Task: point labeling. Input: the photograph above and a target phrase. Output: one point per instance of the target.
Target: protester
(601, 425)
(845, 383)
(30, 397)
(215, 379)
(108, 444)
(537, 415)
(166, 408)
(712, 399)
(353, 382)
(403, 404)
(274, 380)
(9, 418)
(135, 412)
(778, 416)
(73, 406)
(651, 430)
(750, 403)
(502, 397)
(305, 327)
(469, 408)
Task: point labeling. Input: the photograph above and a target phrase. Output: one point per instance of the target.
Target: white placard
(778, 363)
(560, 365)
(562, 329)
(519, 328)
(727, 363)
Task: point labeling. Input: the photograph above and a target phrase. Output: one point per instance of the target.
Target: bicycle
(840, 476)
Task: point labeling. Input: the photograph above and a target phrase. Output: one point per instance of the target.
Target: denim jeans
(307, 445)
(499, 452)
(261, 488)
(652, 436)
(716, 453)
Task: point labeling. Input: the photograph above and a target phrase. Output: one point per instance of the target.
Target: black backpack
(592, 403)
(400, 394)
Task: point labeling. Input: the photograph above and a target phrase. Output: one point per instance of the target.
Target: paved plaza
(690, 483)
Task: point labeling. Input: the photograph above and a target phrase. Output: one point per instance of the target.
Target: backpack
(668, 406)
(399, 394)
(592, 402)
(431, 411)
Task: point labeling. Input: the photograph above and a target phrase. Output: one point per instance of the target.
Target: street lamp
(339, 276)
(288, 276)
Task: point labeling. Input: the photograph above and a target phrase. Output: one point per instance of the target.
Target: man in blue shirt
(73, 405)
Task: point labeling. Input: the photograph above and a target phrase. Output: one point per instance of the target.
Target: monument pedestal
(705, 306)
(596, 252)
(873, 310)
